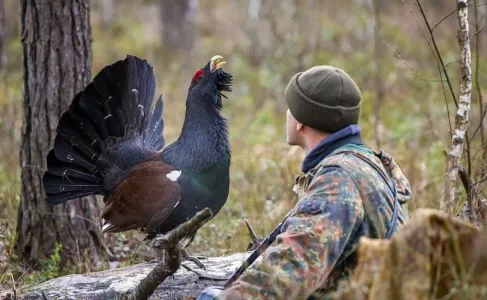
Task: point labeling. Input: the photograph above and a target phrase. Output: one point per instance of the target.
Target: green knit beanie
(324, 98)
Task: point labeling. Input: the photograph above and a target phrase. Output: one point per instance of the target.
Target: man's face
(292, 135)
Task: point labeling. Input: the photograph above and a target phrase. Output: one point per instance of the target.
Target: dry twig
(172, 256)
(255, 239)
(438, 55)
(257, 252)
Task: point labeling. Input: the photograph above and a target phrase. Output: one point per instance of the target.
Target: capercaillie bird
(110, 142)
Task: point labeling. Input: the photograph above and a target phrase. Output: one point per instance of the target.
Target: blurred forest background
(383, 44)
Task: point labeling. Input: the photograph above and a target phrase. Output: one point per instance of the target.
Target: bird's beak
(216, 63)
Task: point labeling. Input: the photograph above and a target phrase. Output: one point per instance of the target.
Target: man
(347, 191)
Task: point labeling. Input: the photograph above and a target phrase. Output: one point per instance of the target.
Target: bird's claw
(196, 261)
(188, 268)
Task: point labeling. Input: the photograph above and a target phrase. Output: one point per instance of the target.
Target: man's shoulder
(359, 162)
(349, 158)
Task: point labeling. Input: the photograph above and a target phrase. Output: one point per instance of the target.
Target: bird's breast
(199, 190)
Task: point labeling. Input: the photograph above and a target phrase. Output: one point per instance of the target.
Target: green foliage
(50, 268)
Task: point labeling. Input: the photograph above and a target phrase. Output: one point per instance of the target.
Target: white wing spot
(134, 90)
(108, 116)
(174, 175)
(177, 203)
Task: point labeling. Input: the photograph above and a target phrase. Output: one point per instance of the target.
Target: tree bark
(56, 42)
(461, 119)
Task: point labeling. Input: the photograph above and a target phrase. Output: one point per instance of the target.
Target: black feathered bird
(109, 143)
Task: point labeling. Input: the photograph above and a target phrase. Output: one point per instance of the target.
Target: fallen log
(109, 284)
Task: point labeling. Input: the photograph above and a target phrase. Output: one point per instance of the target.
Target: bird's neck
(203, 142)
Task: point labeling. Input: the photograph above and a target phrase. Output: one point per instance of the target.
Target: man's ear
(299, 126)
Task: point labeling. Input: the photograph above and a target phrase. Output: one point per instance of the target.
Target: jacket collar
(347, 135)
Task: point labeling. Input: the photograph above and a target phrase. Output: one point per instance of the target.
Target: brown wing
(146, 195)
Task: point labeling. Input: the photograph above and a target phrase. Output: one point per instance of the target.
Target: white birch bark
(461, 119)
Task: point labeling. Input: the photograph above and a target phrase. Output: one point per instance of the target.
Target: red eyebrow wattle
(197, 74)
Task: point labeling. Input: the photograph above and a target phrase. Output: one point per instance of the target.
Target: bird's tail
(108, 127)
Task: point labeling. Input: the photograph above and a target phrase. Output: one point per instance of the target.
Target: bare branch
(446, 17)
(478, 150)
(437, 52)
(481, 122)
(466, 177)
(379, 90)
(410, 68)
(482, 180)
(477, 30)
(447, 203)
(255, 239)
(477, 82)
(172, 256)
(258, 251)
(428, 41)
(439, 61)
(450, 14)
(446, 103)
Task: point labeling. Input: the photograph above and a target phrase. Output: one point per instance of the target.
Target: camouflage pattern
(340, 200)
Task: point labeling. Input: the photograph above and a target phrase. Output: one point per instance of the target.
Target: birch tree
(461, 118)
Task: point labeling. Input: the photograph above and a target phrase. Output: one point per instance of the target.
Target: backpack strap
(392, 186)
(302, 182)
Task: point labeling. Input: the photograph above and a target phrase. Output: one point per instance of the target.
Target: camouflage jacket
(340, 200)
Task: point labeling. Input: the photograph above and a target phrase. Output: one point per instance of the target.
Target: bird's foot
(194, 259)
(188, 268)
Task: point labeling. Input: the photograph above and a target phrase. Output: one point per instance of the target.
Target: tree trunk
(56, 40)
(461, 119)
(3, 38)
(107, 11)
(178, 30)
(379, 89)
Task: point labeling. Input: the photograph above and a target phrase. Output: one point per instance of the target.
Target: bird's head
(208, 83)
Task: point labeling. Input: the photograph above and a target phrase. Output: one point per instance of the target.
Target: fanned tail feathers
(105, 123)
